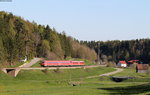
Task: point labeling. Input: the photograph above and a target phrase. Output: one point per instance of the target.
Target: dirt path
(114, 72)
(108, 74)
(32, 62)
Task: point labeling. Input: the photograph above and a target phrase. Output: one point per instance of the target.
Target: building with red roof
(122, 64)
(133, 61)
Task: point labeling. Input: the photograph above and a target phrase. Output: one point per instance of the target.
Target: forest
(122, 50)
(21, 38)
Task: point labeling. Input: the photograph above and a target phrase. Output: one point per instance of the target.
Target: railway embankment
(14, 71)
(27, 66)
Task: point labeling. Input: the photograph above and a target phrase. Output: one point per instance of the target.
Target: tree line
(122, 50)
(20, 38)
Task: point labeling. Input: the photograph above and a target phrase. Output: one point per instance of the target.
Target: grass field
(70, 82)
(132, 73)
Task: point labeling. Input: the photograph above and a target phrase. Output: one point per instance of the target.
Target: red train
(61, 63)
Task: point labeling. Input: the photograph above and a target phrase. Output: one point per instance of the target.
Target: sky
(98, 20)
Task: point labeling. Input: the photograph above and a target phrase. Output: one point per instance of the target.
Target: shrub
(57, 70)
(111, 64)
(133, 66)
(45, 71)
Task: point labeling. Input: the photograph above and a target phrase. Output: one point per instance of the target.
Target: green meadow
(70, 82)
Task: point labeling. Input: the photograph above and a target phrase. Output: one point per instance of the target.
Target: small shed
(122, 64)
(142, 68)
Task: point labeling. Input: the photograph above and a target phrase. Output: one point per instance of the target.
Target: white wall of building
(123, 65)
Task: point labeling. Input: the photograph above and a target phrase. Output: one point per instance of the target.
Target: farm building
(142, 68)
(122, 64)
(133, 61)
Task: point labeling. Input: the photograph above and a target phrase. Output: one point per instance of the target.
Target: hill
(20, 38)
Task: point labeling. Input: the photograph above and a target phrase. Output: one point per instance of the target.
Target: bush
(45, 71)
(133, 66)
(111, 64)
(57, 70)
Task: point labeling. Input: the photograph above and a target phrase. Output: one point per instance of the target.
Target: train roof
(61, 61)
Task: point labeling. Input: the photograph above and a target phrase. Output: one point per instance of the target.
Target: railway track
(42, 68)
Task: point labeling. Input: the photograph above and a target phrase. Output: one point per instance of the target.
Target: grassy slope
(17, 64)
(132, 73)
(139, 77)
(60, 82)
(37, 64)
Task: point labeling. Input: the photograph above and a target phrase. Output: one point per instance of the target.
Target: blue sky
(88, 19)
